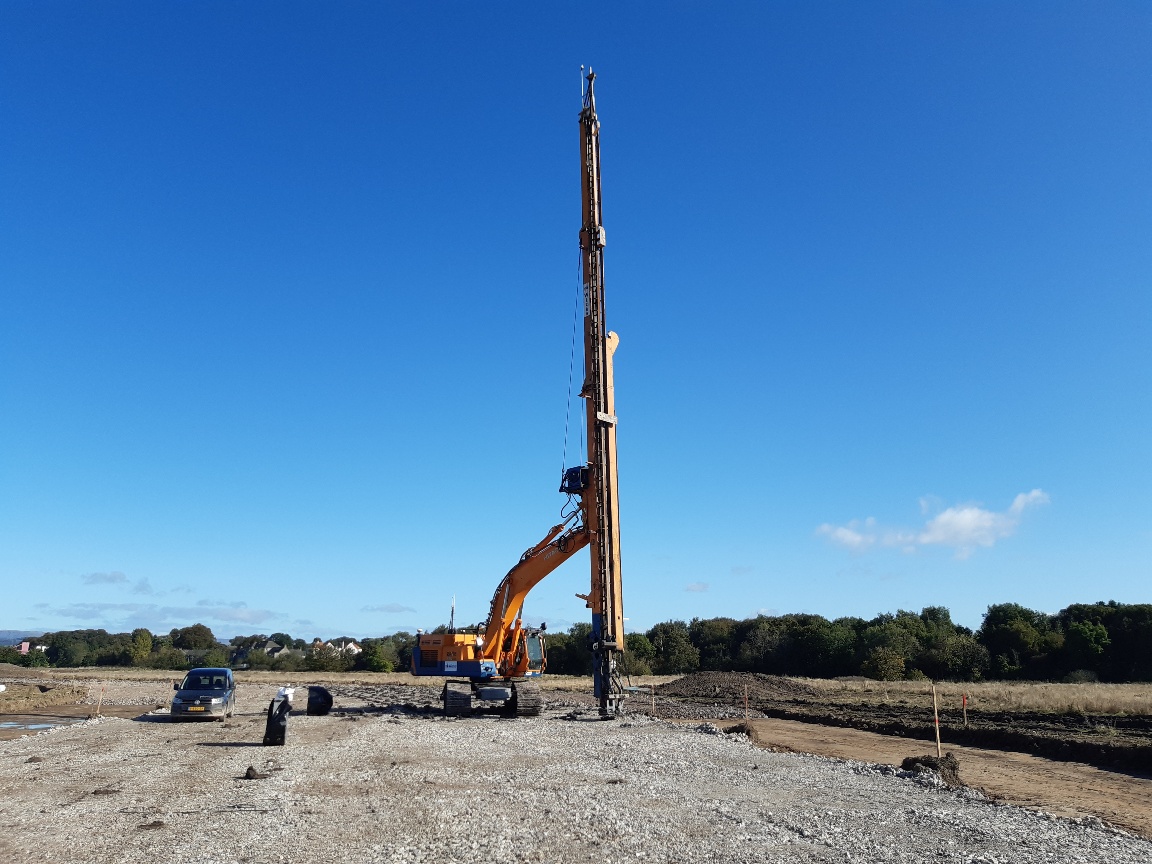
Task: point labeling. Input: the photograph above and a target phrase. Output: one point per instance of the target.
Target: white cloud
(856, 535)
(139, 586)
(391, 608)
(963, 528)
(104, 578)
(1029, 499)
(156, 617)
(697, 587)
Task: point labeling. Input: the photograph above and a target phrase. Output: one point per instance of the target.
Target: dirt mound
(728, 687)
(22, 697)
(946, 766)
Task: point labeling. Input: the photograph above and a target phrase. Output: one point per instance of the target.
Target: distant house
(344, 646)
(270, 647)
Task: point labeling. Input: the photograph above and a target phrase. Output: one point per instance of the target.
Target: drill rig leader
(501, 663)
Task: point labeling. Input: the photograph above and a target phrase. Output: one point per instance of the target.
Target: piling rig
(499, 660)
(598, 490)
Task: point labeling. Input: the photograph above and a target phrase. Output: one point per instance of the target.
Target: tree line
(197, 645)
(1084, 642)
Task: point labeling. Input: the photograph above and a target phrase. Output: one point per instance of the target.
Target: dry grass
(1125, 699)
(1128, 699)
(95, 675)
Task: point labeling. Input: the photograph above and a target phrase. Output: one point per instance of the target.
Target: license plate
(196, 708)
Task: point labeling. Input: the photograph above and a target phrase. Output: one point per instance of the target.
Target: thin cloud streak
(390, 608)
(157, 617)
(112, 578)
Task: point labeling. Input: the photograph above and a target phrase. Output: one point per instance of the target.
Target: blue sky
(287, 295)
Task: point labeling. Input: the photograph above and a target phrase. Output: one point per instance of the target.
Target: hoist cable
(571, 366)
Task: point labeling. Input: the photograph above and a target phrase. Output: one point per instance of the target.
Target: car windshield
(201, 681)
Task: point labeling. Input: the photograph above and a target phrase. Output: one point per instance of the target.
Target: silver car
(204, 694)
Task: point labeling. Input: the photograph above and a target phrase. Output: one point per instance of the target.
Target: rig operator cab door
(534, 648)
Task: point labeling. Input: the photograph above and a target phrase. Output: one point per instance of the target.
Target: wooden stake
(936, 717)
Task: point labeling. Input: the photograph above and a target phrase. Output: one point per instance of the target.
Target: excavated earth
(1106, 740)
(384, 778)
(19, 696)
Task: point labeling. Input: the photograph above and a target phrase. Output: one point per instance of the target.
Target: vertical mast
(600, 499)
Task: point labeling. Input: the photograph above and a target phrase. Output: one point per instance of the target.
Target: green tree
(66, 650)
(216, 656)
(712, 638)
(9, 654)
(35, 659)
(141, 648)
(817, 647)
(168, 657)
(761, 649)
(637, 659)
(675, 653)
(883, 664)
(404, 644)
(194, 638)
(379, 655)
(1085, 643)
(955, 658)
(1018, 640)
(325, 659)
(289, 663)
(259, 660)
(571, 653)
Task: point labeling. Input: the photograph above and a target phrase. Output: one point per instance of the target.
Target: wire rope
(571, 367)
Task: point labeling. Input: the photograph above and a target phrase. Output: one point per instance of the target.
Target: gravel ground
(382, 780)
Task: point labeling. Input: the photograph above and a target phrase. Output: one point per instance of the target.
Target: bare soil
(26, 697)
(1067, 789)
(1119, 741)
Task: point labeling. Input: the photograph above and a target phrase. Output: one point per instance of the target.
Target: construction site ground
(382, 778)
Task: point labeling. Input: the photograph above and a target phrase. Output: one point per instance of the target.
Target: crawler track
(527, 700)
(457, 699)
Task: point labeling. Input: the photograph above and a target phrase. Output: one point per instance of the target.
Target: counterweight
(600, 499)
